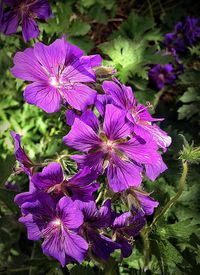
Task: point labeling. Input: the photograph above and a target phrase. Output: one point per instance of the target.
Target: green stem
(157, 98)
(173, 200)
(170, 203)
(145, 238)
(99, 196)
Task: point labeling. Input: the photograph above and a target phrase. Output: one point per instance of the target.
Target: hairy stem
(173, 200)
(169, 204)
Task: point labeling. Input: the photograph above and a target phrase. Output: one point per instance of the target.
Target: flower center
(57, 222)
(108, 146)
(54, 81)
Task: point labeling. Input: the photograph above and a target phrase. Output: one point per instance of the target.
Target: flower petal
(51, 175)
(115, 126)
(122, 174)
(26, 67)
(43, 96)
(33, 230)
(69, 213)
(79, 96)
(29, 28)
(139, 150)
(121, 95)
(10, 22)
(154, 169)
(90, 119)
(81, 137)
(93, 160)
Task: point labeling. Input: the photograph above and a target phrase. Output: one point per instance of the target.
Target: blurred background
(129, 35)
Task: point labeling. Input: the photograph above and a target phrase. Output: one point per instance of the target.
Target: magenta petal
(122, 96)
(26, 67)
(42, 9)
(68, 244)
(71, 217)
(10, 22)
(76, 247)
(45, 97)
(29, 28)
(70, 116)
(93, 160)
(77, 72)
(90, 119)
(146, 202)
(51, 175)
(156, 168)
(122, 174)
(122, 220)
(33, 230)
(115, 126)
(79, 96)
(139, 150)
(54, 247)
(54, 55)
(91, 60)
(81, 137)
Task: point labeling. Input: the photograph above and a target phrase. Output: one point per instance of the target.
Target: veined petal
(82, 137)
(10, 22)
(29, 28)
(154, 132)
(90, 119)
(122, 174)
(69, 213)
(93, 160)
(115, 126)
(26, 67)
(33, 230)
(51, 175)
(42, 8)
(54, 56)
(121, 95)
(139, 150)
(121, 220)
(79, 96)
(76, 72)
(43, 96)
(154, 169)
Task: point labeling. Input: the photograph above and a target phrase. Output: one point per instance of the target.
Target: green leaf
(190, 95)
(6, 168)
(7, 197)
(79, 27)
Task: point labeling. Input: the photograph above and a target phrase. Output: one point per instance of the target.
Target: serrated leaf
(79, 28)
(187, 111)
(190, 95)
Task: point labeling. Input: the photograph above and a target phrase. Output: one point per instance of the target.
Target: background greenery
(127, 34)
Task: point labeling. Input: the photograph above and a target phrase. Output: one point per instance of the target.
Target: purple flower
(24, 13)
(51, 180)
(137, 114)
(57, 224)
(161, 75)
(110, 147)
(95, 221)
(58, 72)
(138, 199)
(126, 226)
(183, 36)
(25, 163)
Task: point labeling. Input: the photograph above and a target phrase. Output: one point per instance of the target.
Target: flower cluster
(176, 43)
(119, 143)
(184, 35)
(23, 13)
